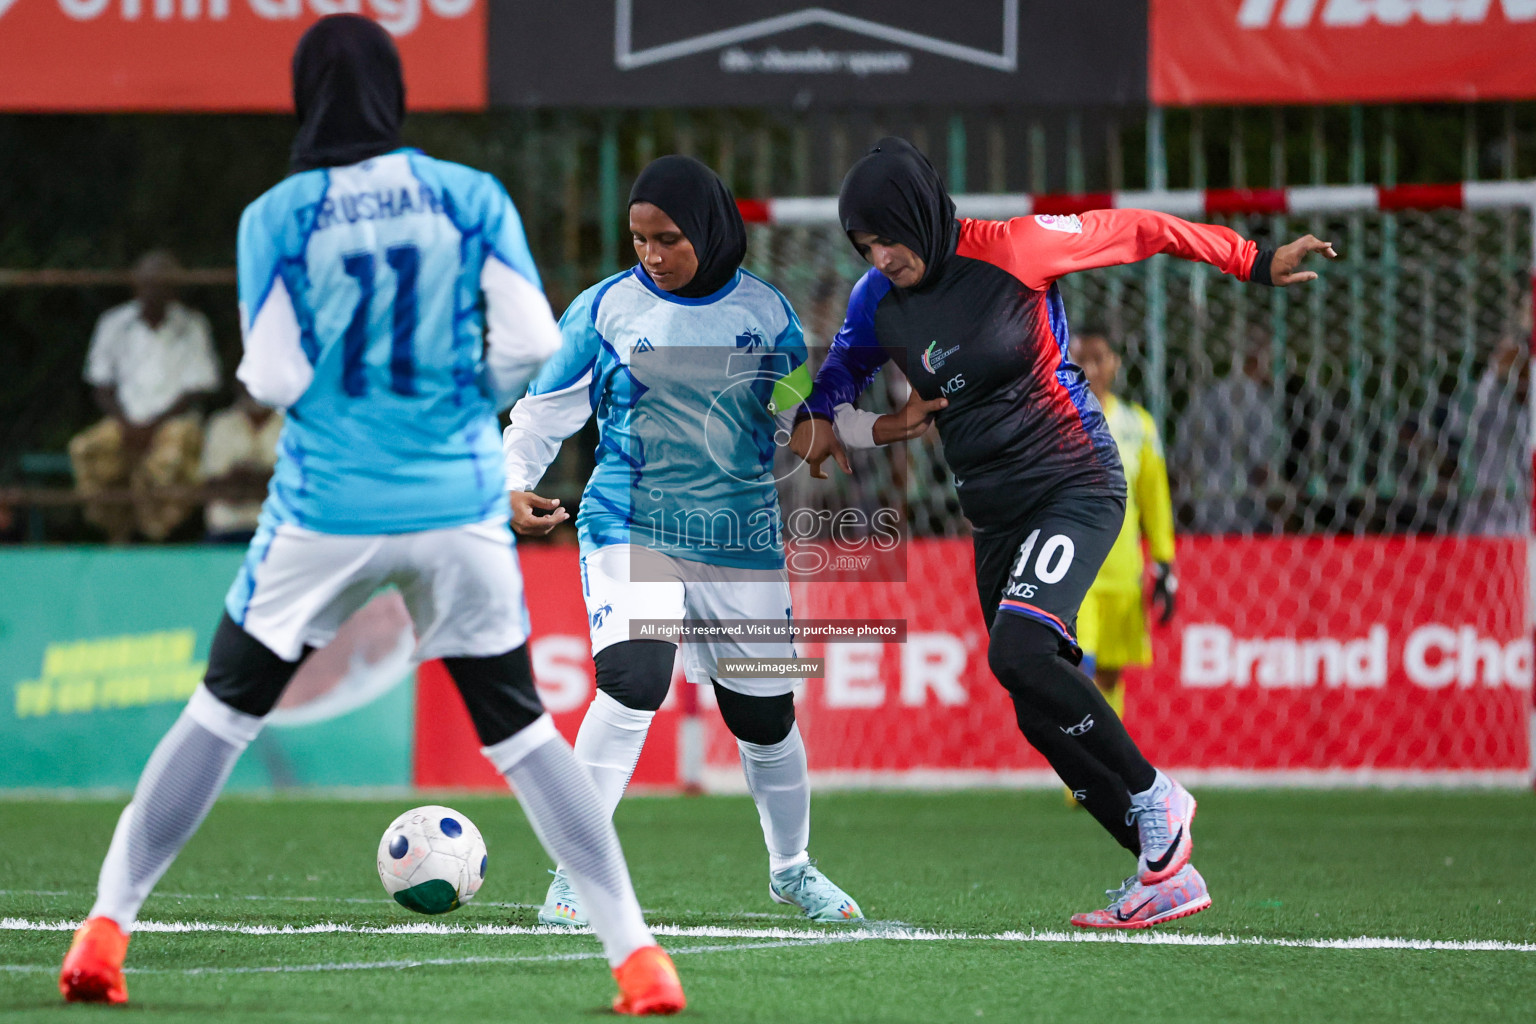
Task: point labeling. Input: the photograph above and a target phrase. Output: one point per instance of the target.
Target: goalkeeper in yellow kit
(1111, 625)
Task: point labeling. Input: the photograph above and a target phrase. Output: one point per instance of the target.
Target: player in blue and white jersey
(680, 358)
(391, 306)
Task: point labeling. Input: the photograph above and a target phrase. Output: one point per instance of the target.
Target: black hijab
(703, 208)
(348, 92)
(895, 193)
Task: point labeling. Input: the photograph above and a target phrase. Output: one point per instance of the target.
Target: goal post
(1352, 465)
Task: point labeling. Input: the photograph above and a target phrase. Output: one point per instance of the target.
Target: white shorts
(461, 585)
(684, 589)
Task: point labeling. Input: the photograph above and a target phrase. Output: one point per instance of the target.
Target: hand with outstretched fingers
(1282, 269)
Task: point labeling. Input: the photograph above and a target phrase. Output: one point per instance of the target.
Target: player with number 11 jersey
(390, 304)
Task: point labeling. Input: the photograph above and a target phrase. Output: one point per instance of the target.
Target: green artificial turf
(1281, 865)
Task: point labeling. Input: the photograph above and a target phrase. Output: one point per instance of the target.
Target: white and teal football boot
(814, 893)
(562, 907)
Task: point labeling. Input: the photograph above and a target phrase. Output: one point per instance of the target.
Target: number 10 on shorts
(1051, 564)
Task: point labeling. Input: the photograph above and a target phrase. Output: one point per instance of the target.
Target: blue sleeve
(505, 239)
(580, 344)
(856, 355)
(258, 256)
(274, 230)
(791, 340)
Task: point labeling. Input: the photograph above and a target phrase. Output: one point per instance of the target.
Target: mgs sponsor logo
(1017, 589)
(1079, 729)
(643, 345)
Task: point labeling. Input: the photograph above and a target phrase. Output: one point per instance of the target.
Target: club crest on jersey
(933, 356)
(643, 345)
(1068, 223)
(751, 340)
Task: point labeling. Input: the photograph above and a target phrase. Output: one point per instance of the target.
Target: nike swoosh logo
(1167, 857)
(1127, 917)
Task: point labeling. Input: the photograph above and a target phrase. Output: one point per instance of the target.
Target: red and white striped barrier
(802, 211)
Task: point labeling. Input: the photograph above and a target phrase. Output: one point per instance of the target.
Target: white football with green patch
(432, 859)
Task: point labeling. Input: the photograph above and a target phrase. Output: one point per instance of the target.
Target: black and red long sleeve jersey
(989, 332)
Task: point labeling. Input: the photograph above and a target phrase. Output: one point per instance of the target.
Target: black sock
(1099, 790)
(1026, 657)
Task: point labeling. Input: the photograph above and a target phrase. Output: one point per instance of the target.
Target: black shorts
(1042, 566)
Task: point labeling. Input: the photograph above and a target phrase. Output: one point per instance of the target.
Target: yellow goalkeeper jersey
(1148, 508)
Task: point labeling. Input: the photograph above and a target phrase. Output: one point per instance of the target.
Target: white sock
(780, 784)
(568, 816)
(179, 784)
(609, 744)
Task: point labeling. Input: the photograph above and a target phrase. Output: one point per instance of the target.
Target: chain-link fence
(1387, 397)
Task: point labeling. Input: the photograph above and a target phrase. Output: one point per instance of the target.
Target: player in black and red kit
(970, 310)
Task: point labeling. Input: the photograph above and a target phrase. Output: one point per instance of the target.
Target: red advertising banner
(228, 55)
(1335, 51)
(1311, 660)
(1294, 658)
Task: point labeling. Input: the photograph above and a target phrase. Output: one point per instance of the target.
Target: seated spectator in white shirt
(239, 454)
(151, 361)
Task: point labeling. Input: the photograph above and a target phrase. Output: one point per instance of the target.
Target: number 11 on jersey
(405, 261)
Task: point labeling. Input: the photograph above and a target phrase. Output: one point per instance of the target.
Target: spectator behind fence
(239, 454)
(1226, 442)
(1495, 434)
(151, 361)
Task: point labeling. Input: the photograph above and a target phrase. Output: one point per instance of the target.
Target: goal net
(1352, 491)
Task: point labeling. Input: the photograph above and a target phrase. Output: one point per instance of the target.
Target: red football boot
(648, 984)
(93, 967)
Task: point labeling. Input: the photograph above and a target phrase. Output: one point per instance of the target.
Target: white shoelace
(1117, 897)
(812, 883)
(1145, 813)
(564, 890)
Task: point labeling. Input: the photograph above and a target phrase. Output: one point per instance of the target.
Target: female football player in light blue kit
(679, 358)
(389, 303)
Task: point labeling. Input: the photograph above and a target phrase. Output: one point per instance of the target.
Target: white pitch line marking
(250, 898)
(361, 900)
(895, 933)
(400, 965)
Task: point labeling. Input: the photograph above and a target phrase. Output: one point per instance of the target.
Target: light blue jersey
(392, 307)
(681, 389)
